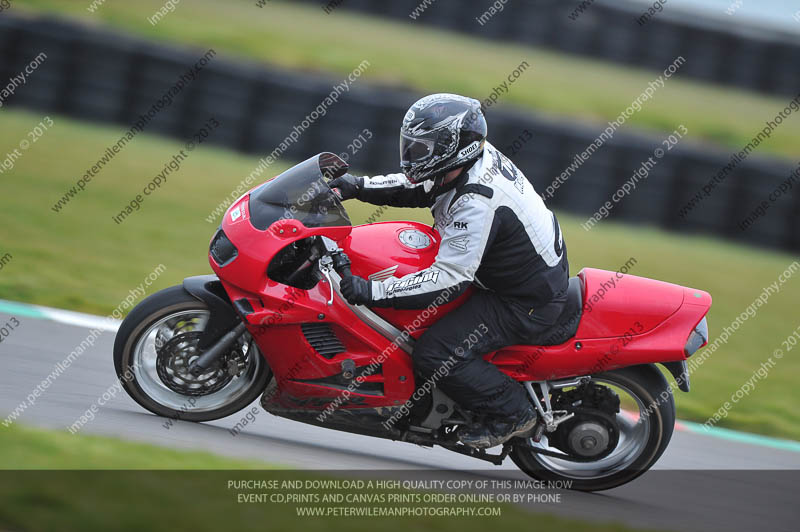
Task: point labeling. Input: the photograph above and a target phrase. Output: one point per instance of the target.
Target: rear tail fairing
(638, 321)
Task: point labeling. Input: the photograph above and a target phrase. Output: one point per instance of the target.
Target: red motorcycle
(272, 322)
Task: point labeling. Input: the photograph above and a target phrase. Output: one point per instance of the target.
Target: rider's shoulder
(472, 191)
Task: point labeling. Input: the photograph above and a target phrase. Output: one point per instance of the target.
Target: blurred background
(202, 100)
(699, 80)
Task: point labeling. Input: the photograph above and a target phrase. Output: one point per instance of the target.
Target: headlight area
(698, 338)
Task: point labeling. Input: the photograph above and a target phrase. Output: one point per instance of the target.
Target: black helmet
(440, 132)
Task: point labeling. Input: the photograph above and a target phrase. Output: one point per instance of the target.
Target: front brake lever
(325, 265)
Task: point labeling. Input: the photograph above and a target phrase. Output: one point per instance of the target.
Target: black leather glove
(347, 186)
(356, 290)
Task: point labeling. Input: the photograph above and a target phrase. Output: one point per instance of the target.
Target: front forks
(220, 347)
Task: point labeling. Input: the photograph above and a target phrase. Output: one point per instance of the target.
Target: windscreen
(301, 193)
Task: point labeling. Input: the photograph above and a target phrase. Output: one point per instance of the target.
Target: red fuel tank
(394, 249)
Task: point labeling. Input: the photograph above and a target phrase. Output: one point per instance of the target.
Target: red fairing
(308, 343)
(279, 312)
(257, 248)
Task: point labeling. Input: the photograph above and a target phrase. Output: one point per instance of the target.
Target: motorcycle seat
(567, 324)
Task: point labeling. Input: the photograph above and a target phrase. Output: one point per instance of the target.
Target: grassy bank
(81, 259)
(304, 37)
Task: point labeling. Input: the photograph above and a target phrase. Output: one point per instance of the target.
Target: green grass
(430, 60)
(35, 449)
(74, 499)
(80, 259)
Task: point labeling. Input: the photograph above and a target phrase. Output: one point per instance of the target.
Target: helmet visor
(415, 149)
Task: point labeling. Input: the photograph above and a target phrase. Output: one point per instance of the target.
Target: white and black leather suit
(497, 235)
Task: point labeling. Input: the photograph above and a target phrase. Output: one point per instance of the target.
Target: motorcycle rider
(496, 235)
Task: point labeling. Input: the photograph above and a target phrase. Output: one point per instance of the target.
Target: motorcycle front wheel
(154, 347)
(642, 431)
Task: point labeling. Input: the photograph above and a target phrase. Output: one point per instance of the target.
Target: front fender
(223, 318)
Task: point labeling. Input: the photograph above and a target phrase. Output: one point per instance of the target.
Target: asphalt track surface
(701, 483)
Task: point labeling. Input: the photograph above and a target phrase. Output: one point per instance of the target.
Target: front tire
(646, 436)
(173, 318)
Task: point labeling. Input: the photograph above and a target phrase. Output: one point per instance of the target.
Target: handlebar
(341, 263)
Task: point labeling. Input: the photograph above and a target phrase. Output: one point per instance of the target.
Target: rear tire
(132, 367)
(650, 385)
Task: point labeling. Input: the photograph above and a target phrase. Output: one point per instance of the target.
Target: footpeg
(538, 432)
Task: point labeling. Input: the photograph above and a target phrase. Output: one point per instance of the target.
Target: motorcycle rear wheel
(644, 436)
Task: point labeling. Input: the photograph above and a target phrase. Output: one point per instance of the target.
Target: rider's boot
(499, 430)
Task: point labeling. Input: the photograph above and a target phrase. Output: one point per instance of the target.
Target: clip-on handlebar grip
(341, 263)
